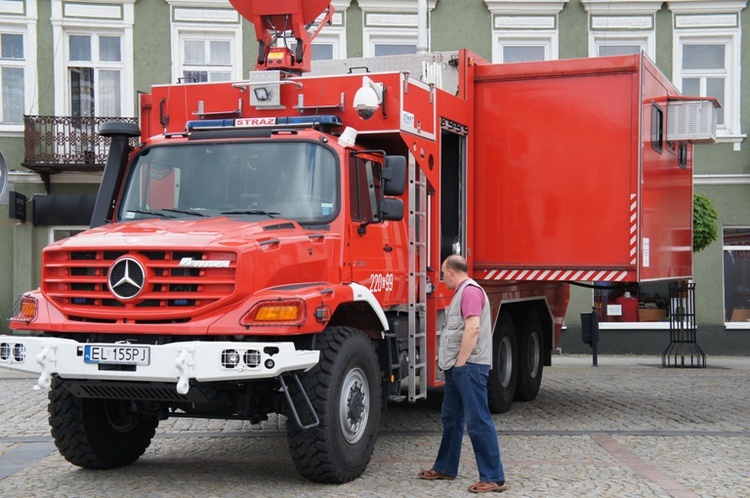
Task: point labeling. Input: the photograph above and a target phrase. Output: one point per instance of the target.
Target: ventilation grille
(177, 284)
(691, 120)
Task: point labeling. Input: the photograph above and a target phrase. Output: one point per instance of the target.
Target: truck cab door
(376, 246)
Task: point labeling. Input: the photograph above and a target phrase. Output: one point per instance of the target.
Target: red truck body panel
(572, 188)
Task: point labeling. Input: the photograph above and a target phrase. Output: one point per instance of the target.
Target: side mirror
(391, 209)
(393, 175)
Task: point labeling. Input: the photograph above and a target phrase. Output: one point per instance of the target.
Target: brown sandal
(434, 475)
(487, 487)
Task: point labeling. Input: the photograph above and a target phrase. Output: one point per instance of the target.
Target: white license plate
(116, 354)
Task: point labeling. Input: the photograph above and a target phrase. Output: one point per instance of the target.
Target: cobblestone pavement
(627, 428)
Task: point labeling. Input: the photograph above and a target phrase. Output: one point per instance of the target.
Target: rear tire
(530, 358)
(97, 433)
(501, 385)
(345, 391)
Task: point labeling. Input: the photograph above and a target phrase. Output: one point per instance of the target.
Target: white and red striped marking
(633, 228)
(574, 275)
(531, 274)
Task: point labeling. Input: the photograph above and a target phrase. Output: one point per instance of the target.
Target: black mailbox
(590, 328)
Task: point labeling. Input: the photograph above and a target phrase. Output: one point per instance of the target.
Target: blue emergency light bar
(266, 122)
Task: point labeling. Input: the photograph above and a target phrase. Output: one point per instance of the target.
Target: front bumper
(178, 362)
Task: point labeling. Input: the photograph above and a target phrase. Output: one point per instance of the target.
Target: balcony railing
(55, 144)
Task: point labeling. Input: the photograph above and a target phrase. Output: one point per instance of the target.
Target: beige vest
(453, 331)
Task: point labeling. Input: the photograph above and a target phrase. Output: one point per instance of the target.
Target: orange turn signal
(281, 312)
(25, 309)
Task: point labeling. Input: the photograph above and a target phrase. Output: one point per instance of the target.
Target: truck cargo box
(576, 178)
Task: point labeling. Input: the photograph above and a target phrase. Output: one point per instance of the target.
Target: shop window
(737, 275)
(632, 303)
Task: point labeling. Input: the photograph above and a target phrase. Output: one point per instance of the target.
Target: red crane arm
(284, 19)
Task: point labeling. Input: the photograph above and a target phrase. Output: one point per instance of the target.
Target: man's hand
(468, 341)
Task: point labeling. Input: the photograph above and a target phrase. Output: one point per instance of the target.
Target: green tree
(705, 215)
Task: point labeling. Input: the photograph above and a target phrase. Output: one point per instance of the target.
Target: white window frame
(335, 33)
(12, 23)
(532, 23)
(730, 130)
(380, 36)
(622, 22)
(391, 22)
(546, 39)
(232, 34)
(335, 37)
(646, 40)
(102, 18)
(210, 20)
(95, 63)
(329, 36)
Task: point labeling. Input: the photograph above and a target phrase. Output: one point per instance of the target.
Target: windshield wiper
(186, 211)
(270, 214)
(150, 212)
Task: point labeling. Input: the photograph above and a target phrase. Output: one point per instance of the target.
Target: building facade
(66, 65)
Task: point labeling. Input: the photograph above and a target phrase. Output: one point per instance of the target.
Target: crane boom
(284, 19)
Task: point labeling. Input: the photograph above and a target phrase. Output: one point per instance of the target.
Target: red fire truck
(273, 245)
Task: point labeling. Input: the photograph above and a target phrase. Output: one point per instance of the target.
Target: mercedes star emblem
(126, 278)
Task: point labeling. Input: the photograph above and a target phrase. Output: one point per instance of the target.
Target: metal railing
(66, 143)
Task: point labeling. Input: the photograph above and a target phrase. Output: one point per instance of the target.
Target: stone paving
(627, 428)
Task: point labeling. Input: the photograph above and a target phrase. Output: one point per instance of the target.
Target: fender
(537, 301)
(317, 302)
(362, 293)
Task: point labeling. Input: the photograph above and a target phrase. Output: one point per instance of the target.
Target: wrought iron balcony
(56, 144)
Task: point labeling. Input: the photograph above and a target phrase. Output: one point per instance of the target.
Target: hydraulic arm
(280, 21)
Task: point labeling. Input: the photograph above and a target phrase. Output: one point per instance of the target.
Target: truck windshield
(280, 179)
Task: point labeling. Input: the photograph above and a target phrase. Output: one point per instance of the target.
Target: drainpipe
(421, 26)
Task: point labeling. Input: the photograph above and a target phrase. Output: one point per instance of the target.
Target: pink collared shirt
(472, 301)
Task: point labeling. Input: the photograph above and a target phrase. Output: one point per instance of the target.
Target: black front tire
(501, 385)
(530, 358)
(345, 391)
(97, 433)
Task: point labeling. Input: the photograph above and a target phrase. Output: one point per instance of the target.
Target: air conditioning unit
(693, 120)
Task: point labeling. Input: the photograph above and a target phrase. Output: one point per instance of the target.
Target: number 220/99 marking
(380, 282)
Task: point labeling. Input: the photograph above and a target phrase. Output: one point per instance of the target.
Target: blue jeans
(465, 399)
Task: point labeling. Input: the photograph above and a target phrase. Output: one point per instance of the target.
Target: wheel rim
(354, 405)
(118, 417)
(505, 362)
(534, 355)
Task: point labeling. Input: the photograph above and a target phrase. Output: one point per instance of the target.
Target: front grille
(78, 282)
